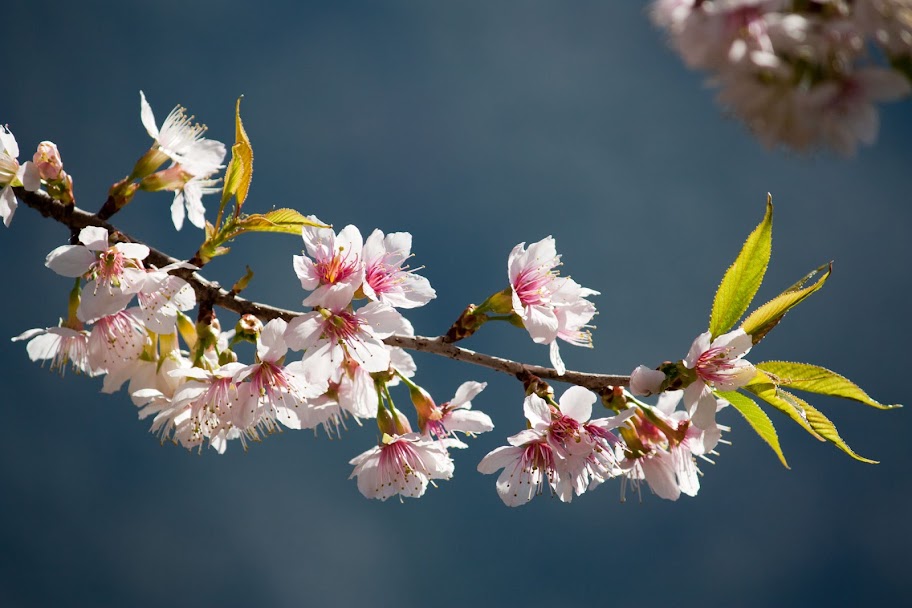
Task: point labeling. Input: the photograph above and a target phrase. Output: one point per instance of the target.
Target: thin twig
(207, 290)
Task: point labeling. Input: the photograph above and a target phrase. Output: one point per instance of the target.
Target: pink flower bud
(48, 161)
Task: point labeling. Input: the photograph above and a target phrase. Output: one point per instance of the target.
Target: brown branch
(209, 291)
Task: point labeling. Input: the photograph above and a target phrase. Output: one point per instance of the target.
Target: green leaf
(765, 387)
(763, 319)
(824, 427)
(287, 221)
(757, 418)
(815, 379)
(240, 169)
(743, 277)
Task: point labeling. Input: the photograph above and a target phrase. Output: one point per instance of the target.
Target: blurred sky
(473, 125)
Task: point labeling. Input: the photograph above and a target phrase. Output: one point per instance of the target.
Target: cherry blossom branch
(212, 294)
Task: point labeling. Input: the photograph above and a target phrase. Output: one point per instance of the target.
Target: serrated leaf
(824, 427)
(816, 379)
(765, 387)
(240, 169)
(763, 319)
(757, 419)
(287, 221)
(743, 277)
(242, 283)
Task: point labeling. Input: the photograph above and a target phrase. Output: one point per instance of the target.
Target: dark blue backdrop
(474, 125)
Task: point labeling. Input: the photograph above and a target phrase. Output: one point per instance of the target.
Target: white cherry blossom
(115, 273)
(401, 464)
(718, 365)
(385, 278)
(550, 306)
(334, 270)
(62, 345)
(335, 335)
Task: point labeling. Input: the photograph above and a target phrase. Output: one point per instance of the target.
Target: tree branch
(210, 291)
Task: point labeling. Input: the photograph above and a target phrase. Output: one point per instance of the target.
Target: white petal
(466, 392)
(177, 210)
(148, 119)
(8, 205)
(700, 345)
(303, 332)
(94, 237)
(737, 341)
(271, 346)
(537, 412)
(576, 402)
(70, 260)
(556, 361)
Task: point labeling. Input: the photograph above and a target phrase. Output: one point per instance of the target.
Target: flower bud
(424, 405)
(47, 160)
(392, 423)
(248, 326)
(172, 178)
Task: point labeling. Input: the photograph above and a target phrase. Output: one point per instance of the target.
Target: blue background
(473, 125)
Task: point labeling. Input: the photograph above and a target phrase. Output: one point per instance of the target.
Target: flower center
(531, 285)
(715, 365)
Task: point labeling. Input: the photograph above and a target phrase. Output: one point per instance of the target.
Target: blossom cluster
(804, 73)
(127, 319)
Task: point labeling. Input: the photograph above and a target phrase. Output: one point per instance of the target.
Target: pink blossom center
(399, 458)
(217, 398)
(270, 382)
(382, 276)
(564, 428)
(538, 456)
(336, 268)
(530, 285)
(715, 365)
(108, 268)
(342, 326)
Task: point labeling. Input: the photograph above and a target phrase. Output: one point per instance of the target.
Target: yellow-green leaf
(240, 169)
(824, 427)
(743, 277)
(765, 387)
(244, 150)
(763, 319)
(816, 379)
(757, 418)
(287, 221)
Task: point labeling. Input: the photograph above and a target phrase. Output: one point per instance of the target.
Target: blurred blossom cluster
(803, 73)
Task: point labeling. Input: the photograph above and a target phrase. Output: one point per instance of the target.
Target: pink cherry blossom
(115, 341)
(115, 273)
(62, 345)
(333, 270)
(665, 448)
(550, 306)
(203, 408)
(335, 335)
(456, 415)
(401, 464)
(272, 391)
(562, 448)
(718, 365)
(385, 278)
